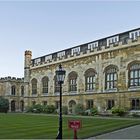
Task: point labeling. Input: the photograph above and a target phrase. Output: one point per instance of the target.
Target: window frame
(134, 75)
(111, 78)
(45, 83)
(13, 90)
(89, 103)
(34, 86)
(73, 82)
(90, 80)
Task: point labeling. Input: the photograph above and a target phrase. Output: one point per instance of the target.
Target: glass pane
(136, 74)
(111, 77)
(94, 79)
(107, 85)
(131, 74)
(91, 79)
(115, 76)
(111, 85)
(136, 82)
(108, 77)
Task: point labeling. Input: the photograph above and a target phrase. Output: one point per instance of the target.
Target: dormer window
(75, 51)
(48, 58)
(112, 40)
(93, 45)
(37, 61)
(134, 35)
(61, 54)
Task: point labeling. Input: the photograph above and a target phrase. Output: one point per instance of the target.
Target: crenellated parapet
(9, 78)
(28, 52)
(111, 43)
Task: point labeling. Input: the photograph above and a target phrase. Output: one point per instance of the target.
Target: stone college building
(102, 73)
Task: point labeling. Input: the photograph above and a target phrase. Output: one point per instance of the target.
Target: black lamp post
(60, 76)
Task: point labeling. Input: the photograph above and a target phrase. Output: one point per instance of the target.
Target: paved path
(132, 132)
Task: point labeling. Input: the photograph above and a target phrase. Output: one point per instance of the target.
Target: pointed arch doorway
(13, 106)
(21, 105)
(72, 105)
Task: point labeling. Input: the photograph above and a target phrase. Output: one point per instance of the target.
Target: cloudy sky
(48, 26)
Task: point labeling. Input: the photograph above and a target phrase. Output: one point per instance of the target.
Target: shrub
(118, 111)
(41, 109)
(79, 109)
(136, 114)
(37, 108)
(29, 109)
(49, 109)
(4, 105)
(65, 110)
(93, 111)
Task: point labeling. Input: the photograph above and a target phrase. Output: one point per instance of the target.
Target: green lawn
(27, 126)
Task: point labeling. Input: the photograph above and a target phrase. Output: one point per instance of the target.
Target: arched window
(90, 80)
(44, 103)
(73, 81)
(13, 90)
(134, 75)
(45, 85)
(34, 86)
(135, 104)
(22, 90)
(111, 77)
(13, 106)
(110, 104)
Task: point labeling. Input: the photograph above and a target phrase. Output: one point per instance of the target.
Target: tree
(4, 105)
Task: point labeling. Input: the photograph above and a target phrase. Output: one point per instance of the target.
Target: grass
(28, 126)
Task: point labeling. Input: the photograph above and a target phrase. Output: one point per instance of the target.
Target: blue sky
(48, 26)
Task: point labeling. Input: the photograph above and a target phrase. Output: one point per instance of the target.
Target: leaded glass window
(135, 104)
(34, 86)
(90, 80)
(45, 85)
(134, 75)
(13, 90)
(73, 81)
(111, 78)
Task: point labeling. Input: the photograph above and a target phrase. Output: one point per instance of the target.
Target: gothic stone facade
(12, 88)
(102, 73)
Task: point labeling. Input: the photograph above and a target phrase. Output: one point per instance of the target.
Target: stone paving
(132, 132)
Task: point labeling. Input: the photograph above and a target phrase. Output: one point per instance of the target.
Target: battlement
(28, 52)
(9, 78)
(117, 41)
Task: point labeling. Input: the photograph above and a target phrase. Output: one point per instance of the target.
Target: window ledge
(34, 95)
(134, 88)
(90, 91)
(73, 92)
(57, 93)
(111, 90)
(46, 94)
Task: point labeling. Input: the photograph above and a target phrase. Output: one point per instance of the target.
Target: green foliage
(79, 109)
(41, 109)
(93, 111)
(49, 109)
(4, 105)
(136, 114)
(118, 111)
(65, 110)
(37, 108)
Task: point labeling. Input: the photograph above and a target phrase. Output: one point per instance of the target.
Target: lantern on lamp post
(60, 76)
